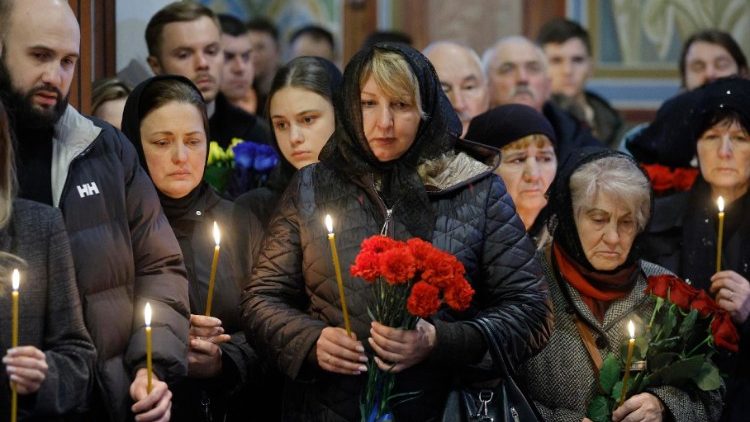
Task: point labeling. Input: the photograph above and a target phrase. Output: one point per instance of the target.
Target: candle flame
(329, 223)
(147, 314)
(217, 234)
(15, 279)
(720, 204)
(631, 329)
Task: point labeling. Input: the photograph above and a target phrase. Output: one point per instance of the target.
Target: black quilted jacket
(293, 295)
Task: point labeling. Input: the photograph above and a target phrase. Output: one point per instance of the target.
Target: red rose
(366, 266)
(659, 285)
(458, 295)
(423, 300)
(397, 265)
(703, 304)
(724, 331)
(681, 294)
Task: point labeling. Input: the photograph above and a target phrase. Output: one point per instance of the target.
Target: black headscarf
(283, 172)
(174, 208)
(350, 155)
(565, 232)
(508, 123)
(672, 137)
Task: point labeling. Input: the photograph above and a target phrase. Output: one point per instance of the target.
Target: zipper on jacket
(387, 222)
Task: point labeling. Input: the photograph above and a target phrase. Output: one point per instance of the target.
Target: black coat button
(601, 342)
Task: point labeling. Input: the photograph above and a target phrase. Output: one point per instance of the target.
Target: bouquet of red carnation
(410, 280)
(677, 346)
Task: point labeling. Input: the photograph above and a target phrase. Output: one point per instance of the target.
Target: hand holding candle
(15, 281)
(214, 264)
(628, 361)
(720, 235)
(149, 369)
(337, 269)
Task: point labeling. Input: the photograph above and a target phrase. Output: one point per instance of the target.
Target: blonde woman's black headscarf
(350, 155)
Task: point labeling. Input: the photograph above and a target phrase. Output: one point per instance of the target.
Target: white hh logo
(87, 189)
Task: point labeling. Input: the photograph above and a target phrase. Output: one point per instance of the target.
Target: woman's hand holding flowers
(398, 349)
(641, 407)
(339, 353)
(732, 294)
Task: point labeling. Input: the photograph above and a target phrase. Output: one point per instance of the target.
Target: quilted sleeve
(512, 289)
(273, 304)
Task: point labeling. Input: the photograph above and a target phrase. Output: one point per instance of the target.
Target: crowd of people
(558, 213)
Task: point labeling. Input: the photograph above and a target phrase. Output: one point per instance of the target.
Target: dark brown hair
(179, 11)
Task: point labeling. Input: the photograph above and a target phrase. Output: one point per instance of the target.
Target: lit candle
(628, 361)
(214, 264)
(149, 369)
(15, 281)
(337, 269)
(720, 236)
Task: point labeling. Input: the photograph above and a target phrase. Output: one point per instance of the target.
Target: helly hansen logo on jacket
(87, 189)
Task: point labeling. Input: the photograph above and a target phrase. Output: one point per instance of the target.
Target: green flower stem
(705, 341)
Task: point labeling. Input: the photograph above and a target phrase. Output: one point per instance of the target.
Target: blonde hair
(538, 139)
(394, 77)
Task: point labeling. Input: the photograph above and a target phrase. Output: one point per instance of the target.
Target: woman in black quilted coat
(393, 161)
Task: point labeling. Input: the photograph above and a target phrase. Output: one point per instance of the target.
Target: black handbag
(502, 402)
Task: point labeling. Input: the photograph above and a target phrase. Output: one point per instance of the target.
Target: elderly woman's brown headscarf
(350, 155)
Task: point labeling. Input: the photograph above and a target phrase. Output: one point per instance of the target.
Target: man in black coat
(124, 252)
(517, 73)
(184, 38)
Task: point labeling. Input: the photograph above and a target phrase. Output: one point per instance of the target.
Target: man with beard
(517, 73)
(184, 38)
(124, 252)
(462, 79)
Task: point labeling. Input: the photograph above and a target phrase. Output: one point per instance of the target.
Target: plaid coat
(561, 379)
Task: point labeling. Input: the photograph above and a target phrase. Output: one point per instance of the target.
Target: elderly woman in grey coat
(602, 202)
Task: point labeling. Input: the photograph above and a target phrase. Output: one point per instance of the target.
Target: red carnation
(423, 300)
(366, 266)
(440, 269)
(397, 265)
(378, 244)
(703, 304)
(661, 177)
(724, 331)
(421, 250)
(681, 294)
(458, 295)
(684, 178)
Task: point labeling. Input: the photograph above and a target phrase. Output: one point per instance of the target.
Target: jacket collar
(73, 134)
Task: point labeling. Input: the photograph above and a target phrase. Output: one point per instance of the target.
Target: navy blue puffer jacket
(293, 293)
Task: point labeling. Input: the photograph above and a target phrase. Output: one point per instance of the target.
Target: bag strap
(589, 343)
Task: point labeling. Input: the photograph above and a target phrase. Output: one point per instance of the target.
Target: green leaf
(599, 410)
(661, 360)
(681, 371)
(669, 322)
(708, 378)
(686, 328)
(609, 373)
(617, 391)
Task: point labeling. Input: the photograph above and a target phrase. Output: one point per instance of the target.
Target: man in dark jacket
(124, 251)
(517, 73)
(184, 38)
(568, 49)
